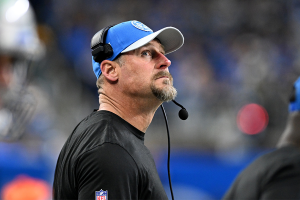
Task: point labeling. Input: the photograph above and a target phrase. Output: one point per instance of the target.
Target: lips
(162, 77)
(162, 74)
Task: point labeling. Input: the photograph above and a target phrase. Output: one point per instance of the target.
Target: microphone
(183, 113)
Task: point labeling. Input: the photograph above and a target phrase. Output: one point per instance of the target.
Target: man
(105, 156)
(19, 45)
(275, 175)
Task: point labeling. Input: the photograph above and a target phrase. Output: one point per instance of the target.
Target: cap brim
(170, 37)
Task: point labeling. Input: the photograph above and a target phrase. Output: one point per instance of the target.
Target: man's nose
(163, 61)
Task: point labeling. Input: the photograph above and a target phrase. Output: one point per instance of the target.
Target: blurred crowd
(235, 53)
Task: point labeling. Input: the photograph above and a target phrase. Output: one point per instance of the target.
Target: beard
(168, 92)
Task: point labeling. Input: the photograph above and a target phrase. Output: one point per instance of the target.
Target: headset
(183, 115)
(102, 51)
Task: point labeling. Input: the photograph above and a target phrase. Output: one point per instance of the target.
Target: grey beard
(165, 94)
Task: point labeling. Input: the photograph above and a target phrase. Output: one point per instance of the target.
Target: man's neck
(137, 112)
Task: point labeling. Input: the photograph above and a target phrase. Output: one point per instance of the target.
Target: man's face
(145, 73)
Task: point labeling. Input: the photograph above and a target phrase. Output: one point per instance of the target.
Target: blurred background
(236, 53)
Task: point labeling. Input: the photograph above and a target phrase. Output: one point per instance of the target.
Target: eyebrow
(162, 47)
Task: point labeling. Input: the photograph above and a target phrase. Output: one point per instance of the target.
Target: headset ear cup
(108, 51)
(98, 58)
(100, 50)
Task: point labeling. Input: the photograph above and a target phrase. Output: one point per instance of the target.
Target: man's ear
(108, 69)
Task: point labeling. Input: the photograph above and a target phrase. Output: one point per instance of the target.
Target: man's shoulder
(280, 156)
(262, 171)
(268, 164)
(93, 130)
(98, 128)
(96, 118)
(95, 127)
(96, 124)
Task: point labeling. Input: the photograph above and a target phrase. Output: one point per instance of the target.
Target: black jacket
(106, 153)
(275, 175)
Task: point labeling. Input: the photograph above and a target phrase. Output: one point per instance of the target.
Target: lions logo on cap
(140, 26)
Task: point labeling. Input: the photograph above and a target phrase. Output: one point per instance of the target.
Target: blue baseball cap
(131, 35)
(295, 103)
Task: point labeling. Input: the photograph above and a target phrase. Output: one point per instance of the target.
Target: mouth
(162, 77)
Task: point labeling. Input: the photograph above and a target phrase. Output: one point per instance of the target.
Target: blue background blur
(235, 53)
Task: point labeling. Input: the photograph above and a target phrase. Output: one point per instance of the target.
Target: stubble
(166, 93)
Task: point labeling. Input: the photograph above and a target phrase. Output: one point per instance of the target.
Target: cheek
(138, 73)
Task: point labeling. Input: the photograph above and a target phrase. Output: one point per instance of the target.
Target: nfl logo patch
(101, 195)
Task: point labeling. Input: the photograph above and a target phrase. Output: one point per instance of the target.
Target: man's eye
(146, 53)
